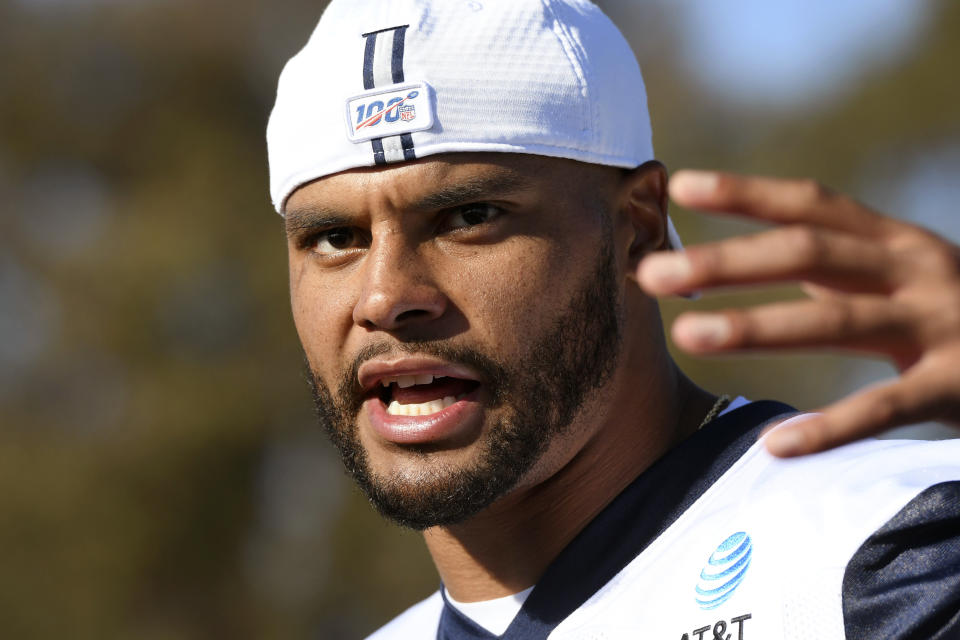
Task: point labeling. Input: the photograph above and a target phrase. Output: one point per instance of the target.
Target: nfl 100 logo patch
(390, 111)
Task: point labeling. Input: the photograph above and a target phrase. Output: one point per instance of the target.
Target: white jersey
(718, 540)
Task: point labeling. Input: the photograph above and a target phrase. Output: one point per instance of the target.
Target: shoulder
(877, 525)
(419, 621)
(904, 580)
(875, 472)
(841, 496)
(818, 546)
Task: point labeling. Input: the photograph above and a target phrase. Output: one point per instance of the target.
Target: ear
(643, 199)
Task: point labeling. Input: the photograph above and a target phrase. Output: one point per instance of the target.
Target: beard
(541, 396)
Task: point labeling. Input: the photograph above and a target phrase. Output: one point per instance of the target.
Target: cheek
(514, 293)
(321, 315)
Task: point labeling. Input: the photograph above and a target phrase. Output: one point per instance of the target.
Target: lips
(416, 401)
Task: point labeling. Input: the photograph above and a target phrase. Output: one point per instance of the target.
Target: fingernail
(786, 443)
(667, 270)
(693, 184)
(705, 330)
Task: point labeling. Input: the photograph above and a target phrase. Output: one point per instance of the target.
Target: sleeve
(903, 583)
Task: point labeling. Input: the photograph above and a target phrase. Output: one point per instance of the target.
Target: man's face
(455, 313)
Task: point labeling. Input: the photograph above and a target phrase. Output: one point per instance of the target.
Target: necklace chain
(718, 406)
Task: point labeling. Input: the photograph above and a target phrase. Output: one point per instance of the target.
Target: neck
(507, 547)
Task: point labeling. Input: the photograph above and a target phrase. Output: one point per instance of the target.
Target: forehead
(450, 179)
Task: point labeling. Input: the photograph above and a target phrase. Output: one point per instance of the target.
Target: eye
(472, 215)
(334, 240)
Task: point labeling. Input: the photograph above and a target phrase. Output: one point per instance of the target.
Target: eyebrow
(490, 185)
(314, 217)
(498, 183)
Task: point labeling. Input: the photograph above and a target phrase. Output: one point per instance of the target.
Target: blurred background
(161, 476)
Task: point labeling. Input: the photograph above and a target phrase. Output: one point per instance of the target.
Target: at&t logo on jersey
(390, 111)
(725, 570)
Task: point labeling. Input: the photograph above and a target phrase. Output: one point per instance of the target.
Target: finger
(863, 323)
(916, 397)
(777, 200)
(819, 292)
(797, 253)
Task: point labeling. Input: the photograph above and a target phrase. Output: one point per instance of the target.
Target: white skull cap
(384, 81)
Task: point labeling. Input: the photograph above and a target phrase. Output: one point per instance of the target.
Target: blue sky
(792, 52)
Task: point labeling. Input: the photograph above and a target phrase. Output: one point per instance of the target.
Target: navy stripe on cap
(399, 42)
(406, 140)
(368, 53)
(397, 75)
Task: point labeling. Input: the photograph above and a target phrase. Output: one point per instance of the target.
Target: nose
(398, 289)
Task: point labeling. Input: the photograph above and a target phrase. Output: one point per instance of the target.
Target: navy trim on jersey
(625, 527)
(904, 581)
(370, 52)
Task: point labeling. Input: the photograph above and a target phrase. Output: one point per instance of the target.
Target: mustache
(349, 395)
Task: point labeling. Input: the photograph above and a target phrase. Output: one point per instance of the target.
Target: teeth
(422, 409)
(406, 381)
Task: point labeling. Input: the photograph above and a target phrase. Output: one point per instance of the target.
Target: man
(477, 227)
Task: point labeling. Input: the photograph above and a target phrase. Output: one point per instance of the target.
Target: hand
(876, 285)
